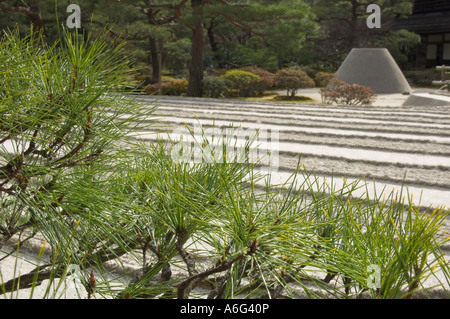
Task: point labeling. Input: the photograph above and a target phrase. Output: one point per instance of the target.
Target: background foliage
(73, 179)
(185, 38)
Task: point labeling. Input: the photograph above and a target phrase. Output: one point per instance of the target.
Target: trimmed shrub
(167, 79)
(217, 72)
(214, 86)
(422, 77)
(241, 83)
(292, 80)
(266, 80)
(175, 87)
(258, 71)
(323, 78)
(154, 88)
(333, 83)
(347, 94)
(328, 92)
(263, 85)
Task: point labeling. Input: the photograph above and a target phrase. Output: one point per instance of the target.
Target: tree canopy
(188, 37)
(344, 26)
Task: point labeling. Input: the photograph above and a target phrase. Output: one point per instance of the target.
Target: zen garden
(224, 149)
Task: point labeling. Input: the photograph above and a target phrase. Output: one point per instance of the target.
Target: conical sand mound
(374, 68)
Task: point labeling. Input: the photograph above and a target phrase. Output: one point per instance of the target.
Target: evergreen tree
(261, 32)
(344, 26)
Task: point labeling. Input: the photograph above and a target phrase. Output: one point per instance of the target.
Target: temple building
(431, 20)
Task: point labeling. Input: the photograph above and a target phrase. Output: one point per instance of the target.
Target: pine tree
(277, 29)
(344, 25)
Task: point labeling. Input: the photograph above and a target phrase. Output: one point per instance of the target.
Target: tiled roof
(431, 22)
(429, 16)
(424, 6)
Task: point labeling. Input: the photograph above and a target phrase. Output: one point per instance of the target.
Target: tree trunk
(214, 46)
(32, 12)
(155, 51)
(195, 87)
(156, 61)
(280, 63)
(354, 36)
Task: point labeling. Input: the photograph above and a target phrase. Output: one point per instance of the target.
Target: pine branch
(186, 286)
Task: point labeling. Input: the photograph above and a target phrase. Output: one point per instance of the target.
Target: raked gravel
(385, 144)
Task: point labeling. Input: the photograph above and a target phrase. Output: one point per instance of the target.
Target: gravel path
(390, 144)
(380, 143)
